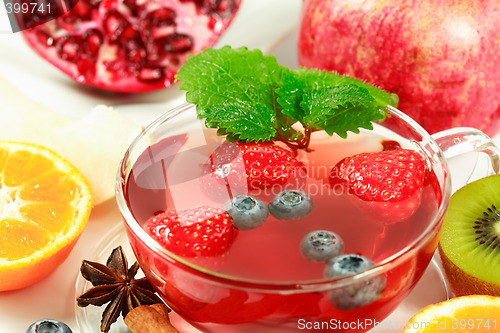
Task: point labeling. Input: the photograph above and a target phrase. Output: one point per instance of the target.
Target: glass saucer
(432, 288)
(89, 318)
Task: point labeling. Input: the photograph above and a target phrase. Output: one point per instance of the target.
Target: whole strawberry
(243, 167)
(386, 184)
(195, 233)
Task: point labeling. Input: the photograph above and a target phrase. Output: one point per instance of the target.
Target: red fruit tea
(170, 175)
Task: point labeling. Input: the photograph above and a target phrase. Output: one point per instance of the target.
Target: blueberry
(48, 326)
(247, 212)
(346, 264)
(291, 205)
(358, 293)
(321, 245)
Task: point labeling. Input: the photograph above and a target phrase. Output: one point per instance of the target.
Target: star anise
(115, 283)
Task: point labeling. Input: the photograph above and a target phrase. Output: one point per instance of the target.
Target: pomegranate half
(129, 46)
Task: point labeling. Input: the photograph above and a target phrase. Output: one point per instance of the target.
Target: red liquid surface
(271, 253)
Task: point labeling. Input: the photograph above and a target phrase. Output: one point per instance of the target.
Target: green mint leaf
(340, 109)
(290, 95)
(239, 78)
(332, 102)
(230, 76)
(313, 78)
(245, 122)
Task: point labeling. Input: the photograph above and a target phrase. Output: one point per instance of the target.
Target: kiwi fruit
(469, 244)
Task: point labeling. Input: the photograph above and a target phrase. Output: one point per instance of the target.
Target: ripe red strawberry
(242, 167)
(389, 183)
(195, 233)
(268, 165)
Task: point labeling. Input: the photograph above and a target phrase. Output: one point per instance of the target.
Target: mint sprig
(248, 96)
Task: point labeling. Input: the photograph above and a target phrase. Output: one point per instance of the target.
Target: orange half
(45, 203)
(471, 314)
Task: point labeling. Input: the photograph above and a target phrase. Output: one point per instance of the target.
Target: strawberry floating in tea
(200, 232)
(265, 164)
(240, 167)
(388, 184)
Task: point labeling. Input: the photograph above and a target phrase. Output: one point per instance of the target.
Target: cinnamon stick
(150, 319)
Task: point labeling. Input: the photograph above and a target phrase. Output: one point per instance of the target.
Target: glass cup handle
(461, 140)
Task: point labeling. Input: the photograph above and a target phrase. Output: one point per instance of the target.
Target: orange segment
(50, 186)
(54, 214)
(45, 203)
(19, 239)
(466, 314)
(21, 166)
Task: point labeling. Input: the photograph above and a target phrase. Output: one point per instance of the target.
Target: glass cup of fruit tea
(301, 227)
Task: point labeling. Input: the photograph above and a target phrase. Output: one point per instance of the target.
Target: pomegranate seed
(68, 47)
(118, 28)
(154, 23)
(107, 6)
(129, 32)
(162, 51)
(133, 6)
(177, 43)
(114, 24)
(92, 41)
(150, 74)
(136, 53)
(162, 16)
(223, 7)
(44, 38)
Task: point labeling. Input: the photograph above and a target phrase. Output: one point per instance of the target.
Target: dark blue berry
(291, 205)
(359, 292)
(347, 264)
(247, 212)
(321, 245)
(48, 326)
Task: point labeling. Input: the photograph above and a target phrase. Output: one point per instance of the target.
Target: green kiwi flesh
(469, 244)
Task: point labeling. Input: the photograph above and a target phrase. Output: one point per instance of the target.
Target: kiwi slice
(469, 244)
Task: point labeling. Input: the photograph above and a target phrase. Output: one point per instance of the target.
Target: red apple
(442, 57)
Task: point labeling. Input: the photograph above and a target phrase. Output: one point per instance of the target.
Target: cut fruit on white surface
(94, 143)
